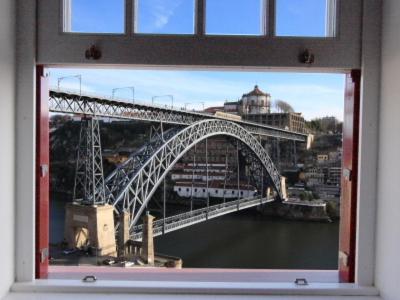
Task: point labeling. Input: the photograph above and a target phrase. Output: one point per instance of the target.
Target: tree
(283, 106)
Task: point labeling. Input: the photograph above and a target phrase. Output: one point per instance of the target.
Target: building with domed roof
(255, 106)
(255, 102)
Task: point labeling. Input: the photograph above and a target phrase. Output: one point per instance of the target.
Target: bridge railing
(199, 215)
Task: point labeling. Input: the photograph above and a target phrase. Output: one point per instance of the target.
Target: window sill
(61, 287)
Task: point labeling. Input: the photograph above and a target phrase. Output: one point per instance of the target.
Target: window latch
(89, 278)
(44, 169)
(347, 174)
(301, 281)
(44, 254)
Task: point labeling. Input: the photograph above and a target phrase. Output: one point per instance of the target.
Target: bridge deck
(64, 102)
(183, 220)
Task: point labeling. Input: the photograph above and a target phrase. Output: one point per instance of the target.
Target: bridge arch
(142, 182)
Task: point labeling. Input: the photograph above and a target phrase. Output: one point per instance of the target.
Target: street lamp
(79, 77)
(160, 96)
(132, 88)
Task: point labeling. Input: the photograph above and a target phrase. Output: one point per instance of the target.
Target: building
(255, 106)
(314, 176)
(329, 124)
(214, 109)
(231, 107)
(255, 102)
(200, 172)
(216, 189)
(219, 151)
(322, 158)
(334, 175)
(326, 191)
(288, 121)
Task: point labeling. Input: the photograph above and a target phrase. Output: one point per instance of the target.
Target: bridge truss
(102, 107)
(131, 186)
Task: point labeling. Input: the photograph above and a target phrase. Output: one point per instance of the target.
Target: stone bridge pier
(91, 225)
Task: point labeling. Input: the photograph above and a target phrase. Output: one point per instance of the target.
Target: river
(243, 239)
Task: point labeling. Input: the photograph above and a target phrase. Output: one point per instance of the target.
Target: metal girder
(189, 218)
(63, 102)
(89, 179)
(131, 186)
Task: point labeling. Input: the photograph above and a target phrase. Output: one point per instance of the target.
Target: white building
(255, 102)
(216, 189)
(314, 176)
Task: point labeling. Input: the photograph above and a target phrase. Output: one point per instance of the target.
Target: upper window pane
(240, 17)
(94, 16)
(165, 17)
(308, 18)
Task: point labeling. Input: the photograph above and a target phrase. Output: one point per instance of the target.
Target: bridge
(129, 189)
(64, 102)
(199, 215)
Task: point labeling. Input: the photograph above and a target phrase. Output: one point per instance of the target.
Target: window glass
(164, 17)
(308, 18)
(240, 17)
(94, 16)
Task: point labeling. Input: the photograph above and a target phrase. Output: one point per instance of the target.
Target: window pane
(241, 17)
(94, 16)
(165, 17)
(314, 18)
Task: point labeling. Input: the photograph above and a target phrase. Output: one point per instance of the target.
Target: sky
(315, 95)
(222, 16)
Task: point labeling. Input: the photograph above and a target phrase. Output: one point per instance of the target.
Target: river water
(243, 239)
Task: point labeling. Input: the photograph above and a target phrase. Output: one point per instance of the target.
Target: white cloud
(161, 12)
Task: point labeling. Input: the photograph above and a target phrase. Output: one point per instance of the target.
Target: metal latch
(89, 278)
(343, 259)
(347, 174)
(44, 169)
(301, 281)
(44, 254)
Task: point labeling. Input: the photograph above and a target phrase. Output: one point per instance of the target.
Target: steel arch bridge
(130, 187)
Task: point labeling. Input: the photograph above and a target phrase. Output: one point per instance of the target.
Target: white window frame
(344, 52)
(341, 52)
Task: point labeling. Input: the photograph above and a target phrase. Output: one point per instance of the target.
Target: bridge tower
(89, 220)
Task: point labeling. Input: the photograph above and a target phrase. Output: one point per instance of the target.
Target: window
(308, 18)
(164, 17)
(94, 16)
(240, 17)
(126, 133)
(44, 55)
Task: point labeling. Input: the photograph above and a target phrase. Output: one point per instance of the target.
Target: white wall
(388, 214)
(7, 102)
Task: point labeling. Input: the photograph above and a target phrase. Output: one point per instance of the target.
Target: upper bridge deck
(101, 106)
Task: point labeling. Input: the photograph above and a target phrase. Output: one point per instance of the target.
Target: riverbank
(313, 211)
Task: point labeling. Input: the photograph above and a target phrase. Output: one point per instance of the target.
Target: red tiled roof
(256, 92)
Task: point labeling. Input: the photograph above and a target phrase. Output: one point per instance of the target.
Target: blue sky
(305, 17)
(314, 95)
